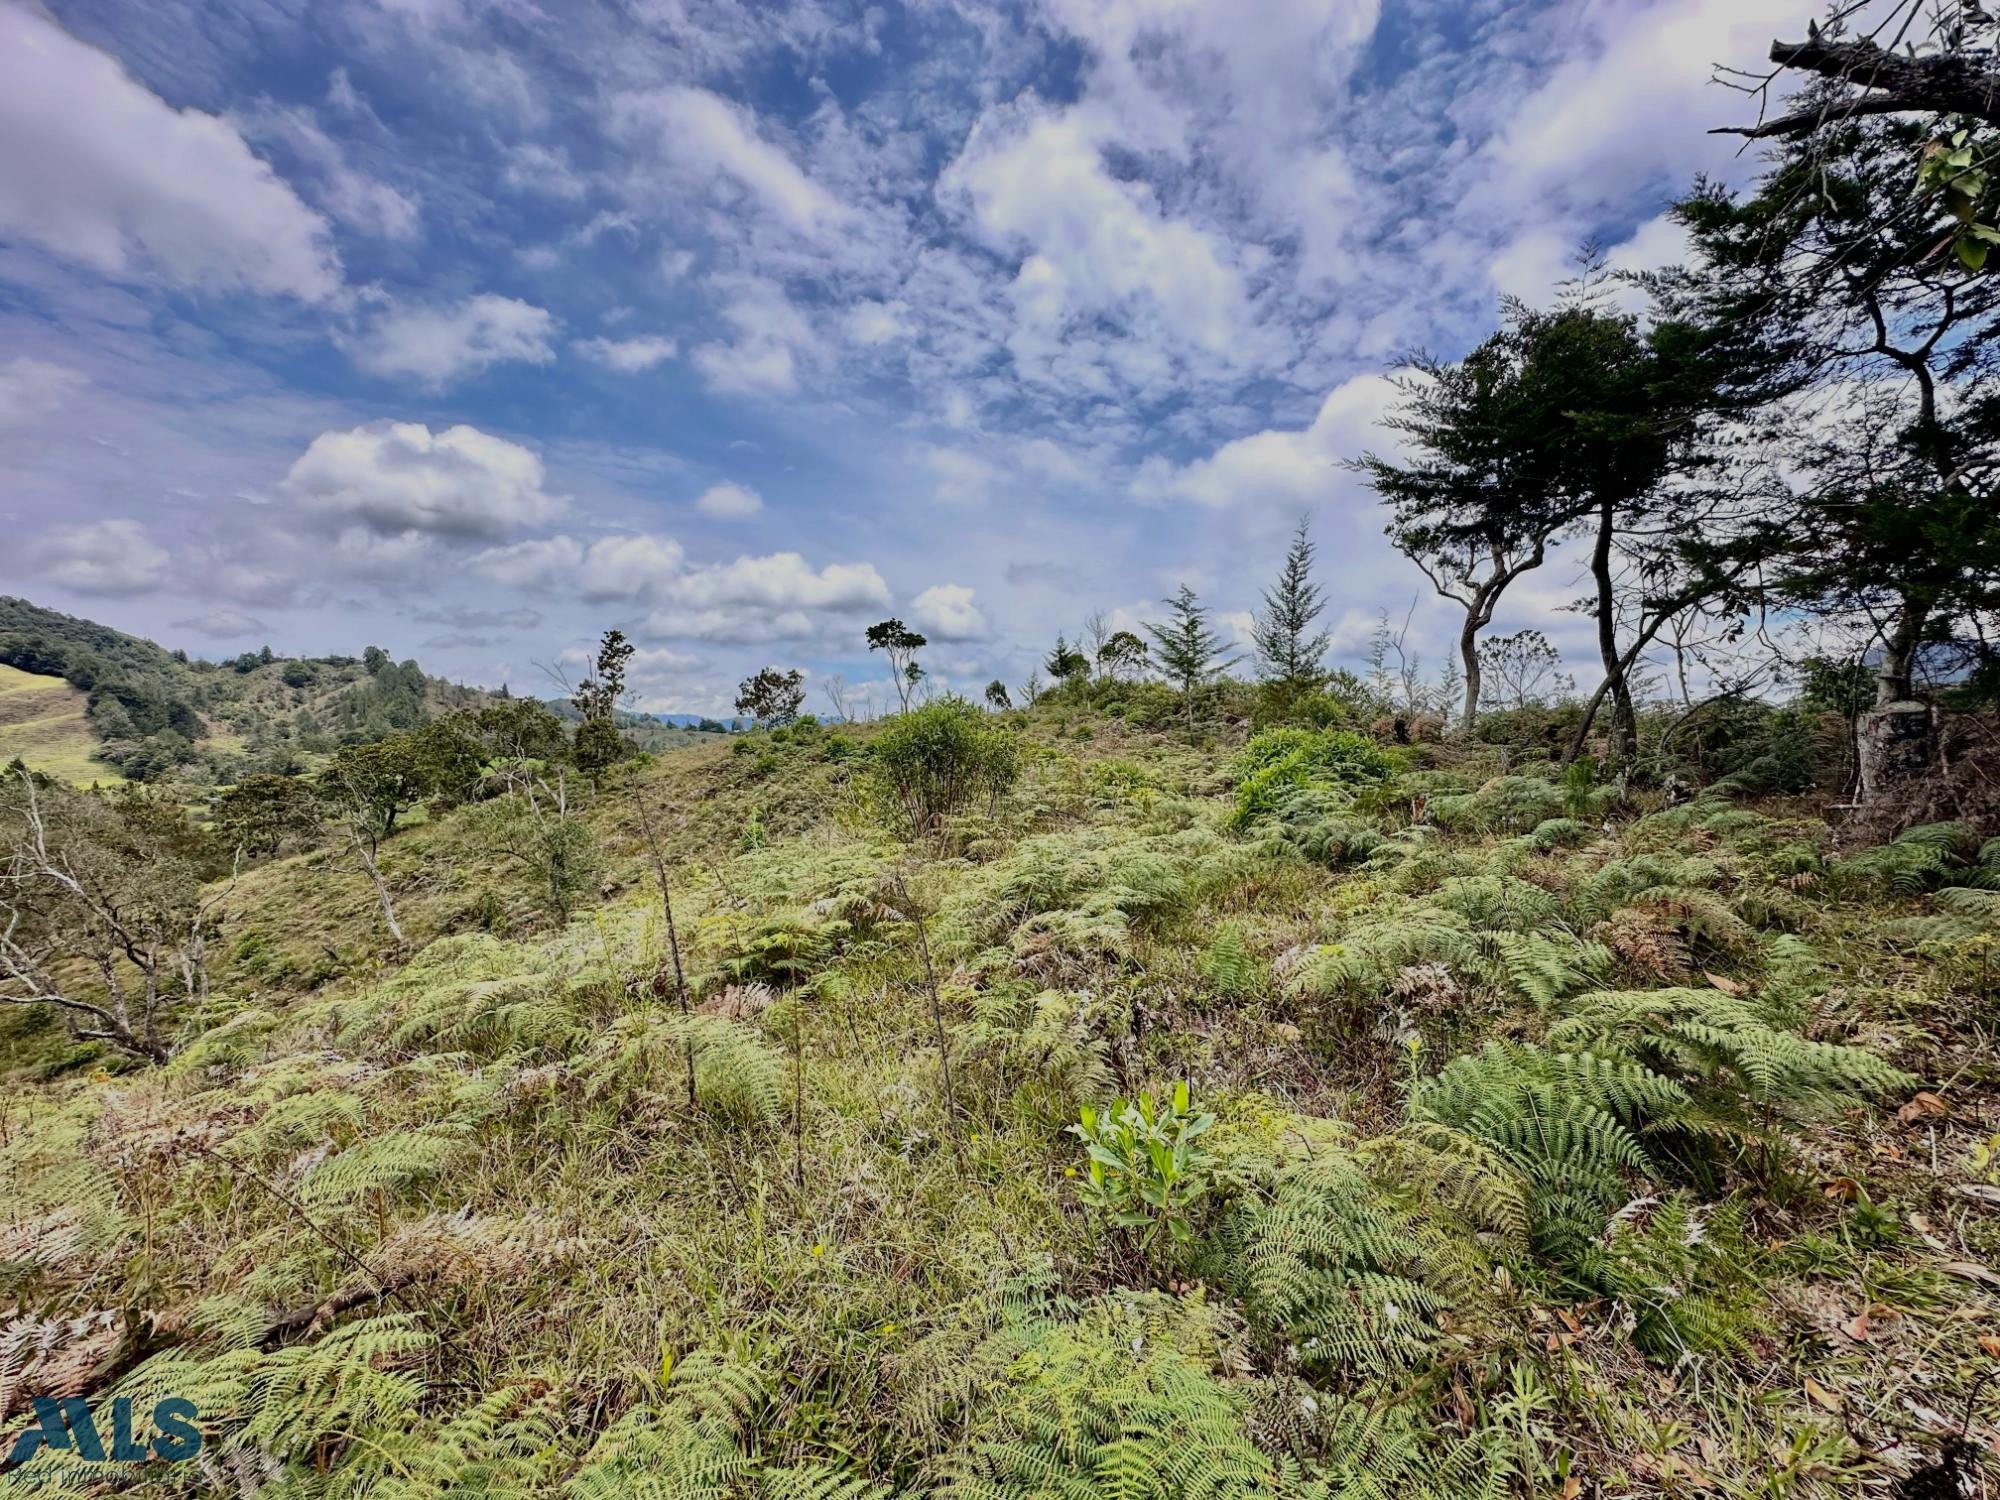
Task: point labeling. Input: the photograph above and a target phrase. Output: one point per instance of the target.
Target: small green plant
(1148, 1167)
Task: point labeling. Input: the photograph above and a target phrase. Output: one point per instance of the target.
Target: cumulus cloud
(945, 612)
(1280, 466)
(438, 345)
(393, 478)
(781, 580)
(101, 171)
(110, 558)
(627, 356)
(1036, 181)
(729, 502)
(30, 389)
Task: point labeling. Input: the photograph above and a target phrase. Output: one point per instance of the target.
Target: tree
(997, 697)
(772, 697)
(366, 787)
(598, 743)
(1825, 289)
(1291, 655)
(1066, 663)
(936, 758)
(1190, 654)
(98, 920)
(900, 644)
(1521, 670)
(1870, 356)
(1123, 654)
(1504, 462)
(542, 835)
(265, 814)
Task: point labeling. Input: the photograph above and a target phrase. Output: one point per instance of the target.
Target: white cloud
(782, 580)
(1626, 110)
(772, 336)
(1279, 466)
(544, 563)
(961, 478)
(629, 567)
(705, 140)
(361, 202)
(872, 324)
(398, 477)
(638, 565)
(30, 389)
(541, 170)
(729, 502)
(110, 558)
(438, 345)
(627, 355)
(99, 170)
(945, 612)
(1036, 180)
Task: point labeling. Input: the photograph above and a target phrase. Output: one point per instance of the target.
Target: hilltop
(1491, 1126)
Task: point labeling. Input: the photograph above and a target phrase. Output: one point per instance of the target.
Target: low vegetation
(1006, 1110)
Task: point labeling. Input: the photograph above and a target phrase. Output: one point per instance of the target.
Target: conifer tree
(1291, 655)
(1189, 653)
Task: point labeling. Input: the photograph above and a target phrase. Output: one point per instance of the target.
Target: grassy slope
(42, 722)
(891, 1288)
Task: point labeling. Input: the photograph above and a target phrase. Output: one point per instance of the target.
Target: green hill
(44, 724)
(153, 714)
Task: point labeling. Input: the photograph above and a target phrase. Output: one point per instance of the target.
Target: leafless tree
(103, 930)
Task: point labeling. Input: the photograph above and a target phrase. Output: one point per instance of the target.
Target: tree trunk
(1896, 741)
(1624, 721)
(1468, 652)
(366, 853)
(1893, 678)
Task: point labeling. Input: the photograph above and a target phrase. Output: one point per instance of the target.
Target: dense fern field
(1436, 1128)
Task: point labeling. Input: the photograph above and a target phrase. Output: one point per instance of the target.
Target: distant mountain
(651, 731)
(156, 714)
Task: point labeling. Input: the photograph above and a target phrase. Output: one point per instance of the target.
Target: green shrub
(1280, 761)
(934, 760)
(1146, 1170)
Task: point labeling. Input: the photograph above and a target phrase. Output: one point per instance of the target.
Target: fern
(738, 1076)
(1228, 965)
(1326, 1267)
(385, 1164)
(1722, 1045)
(1547, 967)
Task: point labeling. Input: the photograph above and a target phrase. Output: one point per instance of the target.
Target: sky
(470, 330)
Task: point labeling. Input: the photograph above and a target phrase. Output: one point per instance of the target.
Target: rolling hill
(99, 704)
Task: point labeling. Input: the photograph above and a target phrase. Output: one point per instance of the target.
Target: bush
(1280, 761)
(934, 760)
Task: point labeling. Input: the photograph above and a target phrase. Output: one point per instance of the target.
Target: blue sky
(471, 329)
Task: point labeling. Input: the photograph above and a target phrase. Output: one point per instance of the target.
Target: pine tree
(1189, 652)
(1291, 655)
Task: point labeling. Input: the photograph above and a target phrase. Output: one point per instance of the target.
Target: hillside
(153, 714)
(1503, 1134)
(43, 724)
